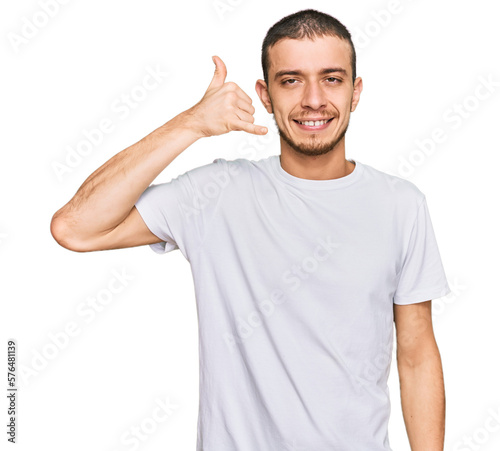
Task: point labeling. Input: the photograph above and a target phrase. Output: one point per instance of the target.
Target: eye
(286, 82)
(333, 79)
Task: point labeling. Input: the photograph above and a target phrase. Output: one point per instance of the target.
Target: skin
(320, 155)
(311, 94)
(420, 376)
(101, 215)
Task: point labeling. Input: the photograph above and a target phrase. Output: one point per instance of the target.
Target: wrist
(189, 122)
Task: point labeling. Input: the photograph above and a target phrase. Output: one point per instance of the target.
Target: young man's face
(310, 81)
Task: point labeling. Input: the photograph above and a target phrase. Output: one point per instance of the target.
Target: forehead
(309, 55)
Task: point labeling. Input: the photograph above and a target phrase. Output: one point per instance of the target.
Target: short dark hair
(309, 24)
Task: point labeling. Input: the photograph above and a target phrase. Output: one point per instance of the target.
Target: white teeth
(313, 123)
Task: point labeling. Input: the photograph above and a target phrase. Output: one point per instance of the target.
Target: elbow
(61, 232)
(423, 357)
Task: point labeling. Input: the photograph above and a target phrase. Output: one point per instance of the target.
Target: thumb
(220, 73)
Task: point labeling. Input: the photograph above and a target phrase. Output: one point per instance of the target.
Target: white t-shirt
(295, 281)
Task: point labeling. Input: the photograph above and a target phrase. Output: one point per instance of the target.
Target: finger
(251, 128)
(219, 74)
(243, 95)
(244, 116)
(234, 88)
(245, 106)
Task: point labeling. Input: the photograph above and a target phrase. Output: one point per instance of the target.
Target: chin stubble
(311, 149)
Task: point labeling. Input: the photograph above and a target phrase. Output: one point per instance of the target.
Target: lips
(313, 124)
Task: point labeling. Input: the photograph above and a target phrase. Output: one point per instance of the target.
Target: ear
(263, 93)
(358, 87)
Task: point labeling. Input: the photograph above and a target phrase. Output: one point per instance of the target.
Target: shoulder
(242, 167)
(219, 173)
(393, 187)
(244, 164)
(207, 173)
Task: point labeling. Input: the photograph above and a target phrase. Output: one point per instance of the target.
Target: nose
(313, 97)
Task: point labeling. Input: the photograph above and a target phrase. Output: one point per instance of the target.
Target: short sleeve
(180, 211)
(422, 275)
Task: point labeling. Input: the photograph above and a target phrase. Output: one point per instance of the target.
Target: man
(301, 262)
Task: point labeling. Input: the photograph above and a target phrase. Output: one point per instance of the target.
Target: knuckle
(231, 85)
(231, 95)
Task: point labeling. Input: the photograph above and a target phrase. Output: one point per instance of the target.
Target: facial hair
(312, 147)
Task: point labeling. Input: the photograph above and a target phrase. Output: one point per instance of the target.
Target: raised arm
(101, 215)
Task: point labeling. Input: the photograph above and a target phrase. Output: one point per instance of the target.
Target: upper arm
(131, 232)
(414, 332)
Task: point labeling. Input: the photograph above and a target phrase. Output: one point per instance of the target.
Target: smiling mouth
(315, 125)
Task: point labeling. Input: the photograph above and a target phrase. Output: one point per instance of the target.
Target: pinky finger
(251, 128)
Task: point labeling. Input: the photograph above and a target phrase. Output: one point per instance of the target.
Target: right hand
(225, 107)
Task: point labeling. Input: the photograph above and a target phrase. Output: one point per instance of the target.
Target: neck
(332, 165)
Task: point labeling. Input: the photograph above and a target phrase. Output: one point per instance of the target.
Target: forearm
(91, 219)
(423, 403)
(109, 193)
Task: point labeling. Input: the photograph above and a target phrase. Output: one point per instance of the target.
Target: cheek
(282, 105)
(279, 113)
(346, 102)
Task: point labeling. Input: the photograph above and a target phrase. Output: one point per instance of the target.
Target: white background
(417, 64)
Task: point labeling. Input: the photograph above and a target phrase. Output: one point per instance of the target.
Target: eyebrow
(326, 71)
